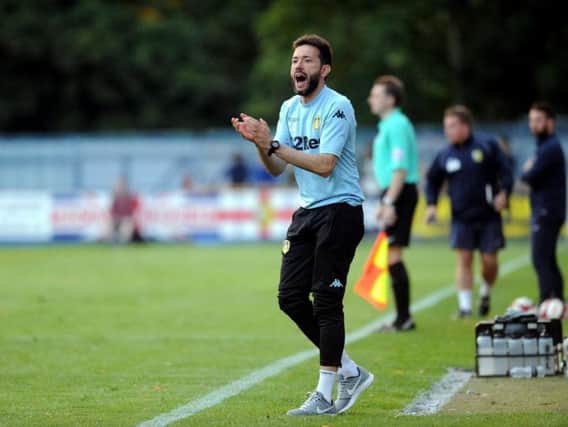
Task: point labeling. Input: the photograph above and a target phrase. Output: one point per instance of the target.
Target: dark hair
(461, 112)
(393, 87)
(325, 51)
(545, 107)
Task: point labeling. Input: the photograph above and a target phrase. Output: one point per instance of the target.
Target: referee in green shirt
(395, 162)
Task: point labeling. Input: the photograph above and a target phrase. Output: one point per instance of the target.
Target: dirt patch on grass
(490, 395)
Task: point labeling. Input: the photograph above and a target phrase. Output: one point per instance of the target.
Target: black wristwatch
(274, 145)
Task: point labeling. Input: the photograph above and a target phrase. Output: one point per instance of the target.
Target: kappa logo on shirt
(336, 284)
(339, 114)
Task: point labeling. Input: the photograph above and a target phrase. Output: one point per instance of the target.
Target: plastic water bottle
(484, 353)
(527, 371)
(558, 358)
(546, 353)
(521, 372)
(485, 345)
(515, 347)
(500, 363)
(530, 350)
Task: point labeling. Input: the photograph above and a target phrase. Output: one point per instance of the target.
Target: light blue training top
(325, 125)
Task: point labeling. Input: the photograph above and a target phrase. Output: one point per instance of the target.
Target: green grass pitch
(113, 336)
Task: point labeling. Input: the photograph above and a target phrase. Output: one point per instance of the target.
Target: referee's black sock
(401, 289)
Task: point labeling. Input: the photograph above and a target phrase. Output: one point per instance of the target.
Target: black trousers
(544, 238)
(316, 257)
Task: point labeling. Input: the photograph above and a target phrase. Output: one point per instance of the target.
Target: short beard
(312, 85)
(542, 135)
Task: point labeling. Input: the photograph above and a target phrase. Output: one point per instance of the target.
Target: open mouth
(301, 80)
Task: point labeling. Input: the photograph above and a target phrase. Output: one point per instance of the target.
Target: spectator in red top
(124, 226)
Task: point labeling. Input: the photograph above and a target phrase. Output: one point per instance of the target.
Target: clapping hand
(253, 130)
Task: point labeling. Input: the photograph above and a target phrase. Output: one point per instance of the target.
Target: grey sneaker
(315, 404)
(349, 389)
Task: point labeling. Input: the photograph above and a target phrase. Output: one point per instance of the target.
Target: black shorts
(405, 206)
(319, 247)
(487, 236)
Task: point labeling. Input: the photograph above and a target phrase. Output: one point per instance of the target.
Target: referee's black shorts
(405, 206)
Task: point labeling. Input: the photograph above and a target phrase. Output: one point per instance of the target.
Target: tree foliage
(96, 64)
(496, 57)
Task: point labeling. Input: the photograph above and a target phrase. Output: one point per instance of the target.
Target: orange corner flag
(373, 284)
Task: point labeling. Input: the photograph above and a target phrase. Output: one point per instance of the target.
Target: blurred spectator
(186, 183)
(238, 172)
(124, 207)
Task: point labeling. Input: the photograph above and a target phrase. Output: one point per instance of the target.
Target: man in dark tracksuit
(546, 175)
(479, 183)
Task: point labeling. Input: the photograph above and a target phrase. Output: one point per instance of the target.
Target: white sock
(326, 383)
(484, 289)
(348, 367)
(464, 299)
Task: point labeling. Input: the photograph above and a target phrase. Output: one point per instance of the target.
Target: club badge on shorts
(285, 247)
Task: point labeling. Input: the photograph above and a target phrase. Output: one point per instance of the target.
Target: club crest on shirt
(285, 246)
(477, 155)
(317, 122)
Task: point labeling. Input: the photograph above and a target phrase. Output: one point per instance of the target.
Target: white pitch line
(232, 389)
(441, 392)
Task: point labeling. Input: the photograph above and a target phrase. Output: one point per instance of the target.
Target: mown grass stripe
(236, 387)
